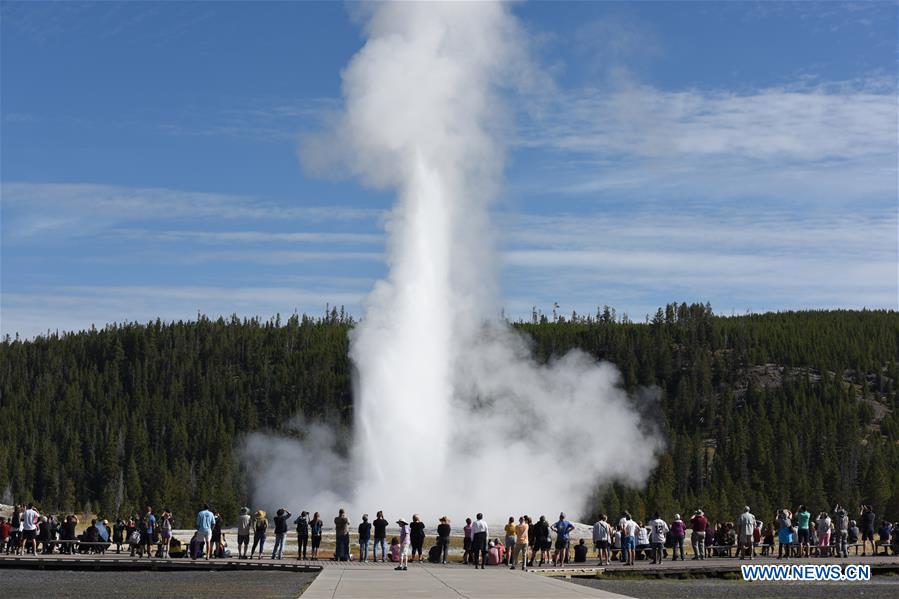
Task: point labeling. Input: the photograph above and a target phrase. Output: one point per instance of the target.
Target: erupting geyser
(452, 413)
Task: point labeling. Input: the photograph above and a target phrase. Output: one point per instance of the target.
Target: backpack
(302, 527)
(434, 554)
(134, 537)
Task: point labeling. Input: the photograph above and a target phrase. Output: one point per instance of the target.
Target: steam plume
(452, 412)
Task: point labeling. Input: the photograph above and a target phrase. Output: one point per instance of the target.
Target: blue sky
(738, 153)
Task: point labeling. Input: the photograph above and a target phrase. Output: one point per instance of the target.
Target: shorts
(868, 535)
(803, 536)
(628, 543)
(245, 539)
(602, 544)
(546, 545)
(206, 536)
(746, 539)
(166, 534)
(511, 541)
(561, 543)
(466, 544)
(29, 535)
(405, 549)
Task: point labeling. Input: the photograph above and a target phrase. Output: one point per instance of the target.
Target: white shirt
(658, 530)
(824, 525)
(478, 526)
(29, 518)
(243, 524)
(642, 536)
(746, 524)
(630, 527)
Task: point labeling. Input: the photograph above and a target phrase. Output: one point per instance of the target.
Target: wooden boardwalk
(124, 562)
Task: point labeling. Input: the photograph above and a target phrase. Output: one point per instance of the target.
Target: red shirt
(5, 530)
(699, 523)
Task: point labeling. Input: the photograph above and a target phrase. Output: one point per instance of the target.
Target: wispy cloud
(822, 142)
(257, 237)
(79, 209)
(744, 260)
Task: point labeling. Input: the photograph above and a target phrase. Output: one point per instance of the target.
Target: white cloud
(78, 209)
(821, 142)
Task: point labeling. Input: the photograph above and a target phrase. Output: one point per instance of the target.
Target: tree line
(770, 409)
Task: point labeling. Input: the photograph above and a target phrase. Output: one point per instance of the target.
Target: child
(405, 544)
(394, 550)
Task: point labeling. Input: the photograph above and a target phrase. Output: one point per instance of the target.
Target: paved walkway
(441, 582)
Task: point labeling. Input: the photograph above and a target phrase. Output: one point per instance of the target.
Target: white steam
(452, 413)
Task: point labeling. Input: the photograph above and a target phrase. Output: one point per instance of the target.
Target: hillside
(771, 409)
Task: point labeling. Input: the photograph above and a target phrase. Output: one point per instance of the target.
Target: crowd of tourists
(795, 535)
(522, 542)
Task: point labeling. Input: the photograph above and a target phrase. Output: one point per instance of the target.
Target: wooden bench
(716, 550)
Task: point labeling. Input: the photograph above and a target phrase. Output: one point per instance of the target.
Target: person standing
(678, 534)
(746, 530)
(802, 520)
(443, 538)
(543, 540)
(315, 531)
(15, 531)
(118, 534)
(602, 536)
(29, 522)
(510, 540)
(825, 526)
(563, 530)
(302, 524)
(699, 524)
(43, 535)
(521, 543)
(479, 540)
(342, 533)
(840, 530)
(629, 538)
(364, 538)
(281, 517)
(380, 526)
(867, 521)
(68, 528)
(467, 542)
(205, 524)
(658, 530)
(417, 529)
(148, 529)
(244, 526)
(260, 526)
(784, 533)
(405, 542)
(165, 531)
(218, 536)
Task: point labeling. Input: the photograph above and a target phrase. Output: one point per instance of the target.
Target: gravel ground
(40, 584)
(715, 588)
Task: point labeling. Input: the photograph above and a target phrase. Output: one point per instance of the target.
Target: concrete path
(441, 582)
